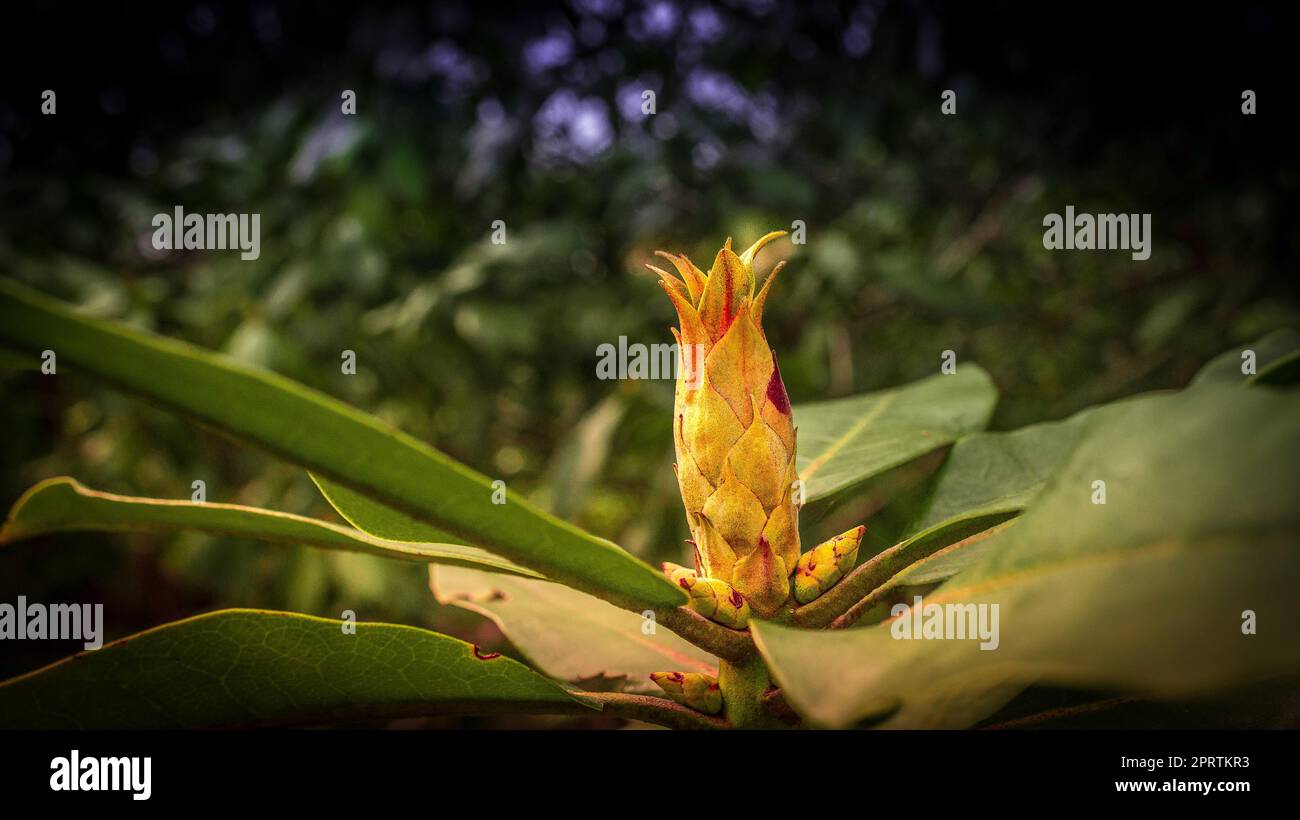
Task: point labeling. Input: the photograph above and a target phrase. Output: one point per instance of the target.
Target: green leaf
(374, 518)
(1275, 353)
(63, 505)
(1145, 593)
(989, 478)
(942, 565)
(242, 667)
(988, 474)
(335, 441)
(569, 635)
(845, 441)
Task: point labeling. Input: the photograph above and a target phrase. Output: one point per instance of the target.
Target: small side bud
(691, 689)
(716, 600)
(821, 567)
(676, 571)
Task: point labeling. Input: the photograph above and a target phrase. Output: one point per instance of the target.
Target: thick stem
(744, 685)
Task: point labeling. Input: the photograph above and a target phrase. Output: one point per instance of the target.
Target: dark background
(924, 234)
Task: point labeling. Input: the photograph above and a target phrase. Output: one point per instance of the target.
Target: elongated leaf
(334, 440)
(845, 441)
(569, 635)
(243, 667)
(374, 518)
(1146, 593)
(1274, 354)
(63, 505)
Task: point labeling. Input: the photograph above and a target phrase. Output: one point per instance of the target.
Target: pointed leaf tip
(693, 276)
(760, 301)
(748, 256)
(718, 302)
(668, 279)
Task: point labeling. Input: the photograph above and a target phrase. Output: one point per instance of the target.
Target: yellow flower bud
(821, 567)
(714, 599)
(733, 430)
(694, 689)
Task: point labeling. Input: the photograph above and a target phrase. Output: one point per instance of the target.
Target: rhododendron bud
(733, 430)
(821, 567)
(735, 439)
(694, 689)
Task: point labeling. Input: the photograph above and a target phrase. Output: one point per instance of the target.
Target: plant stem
(729, 644)
(658, 711)
(743, 686)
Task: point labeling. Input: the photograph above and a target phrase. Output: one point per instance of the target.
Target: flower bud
(733, 429)
(714, 599)
(821, 567)
(694, 689)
